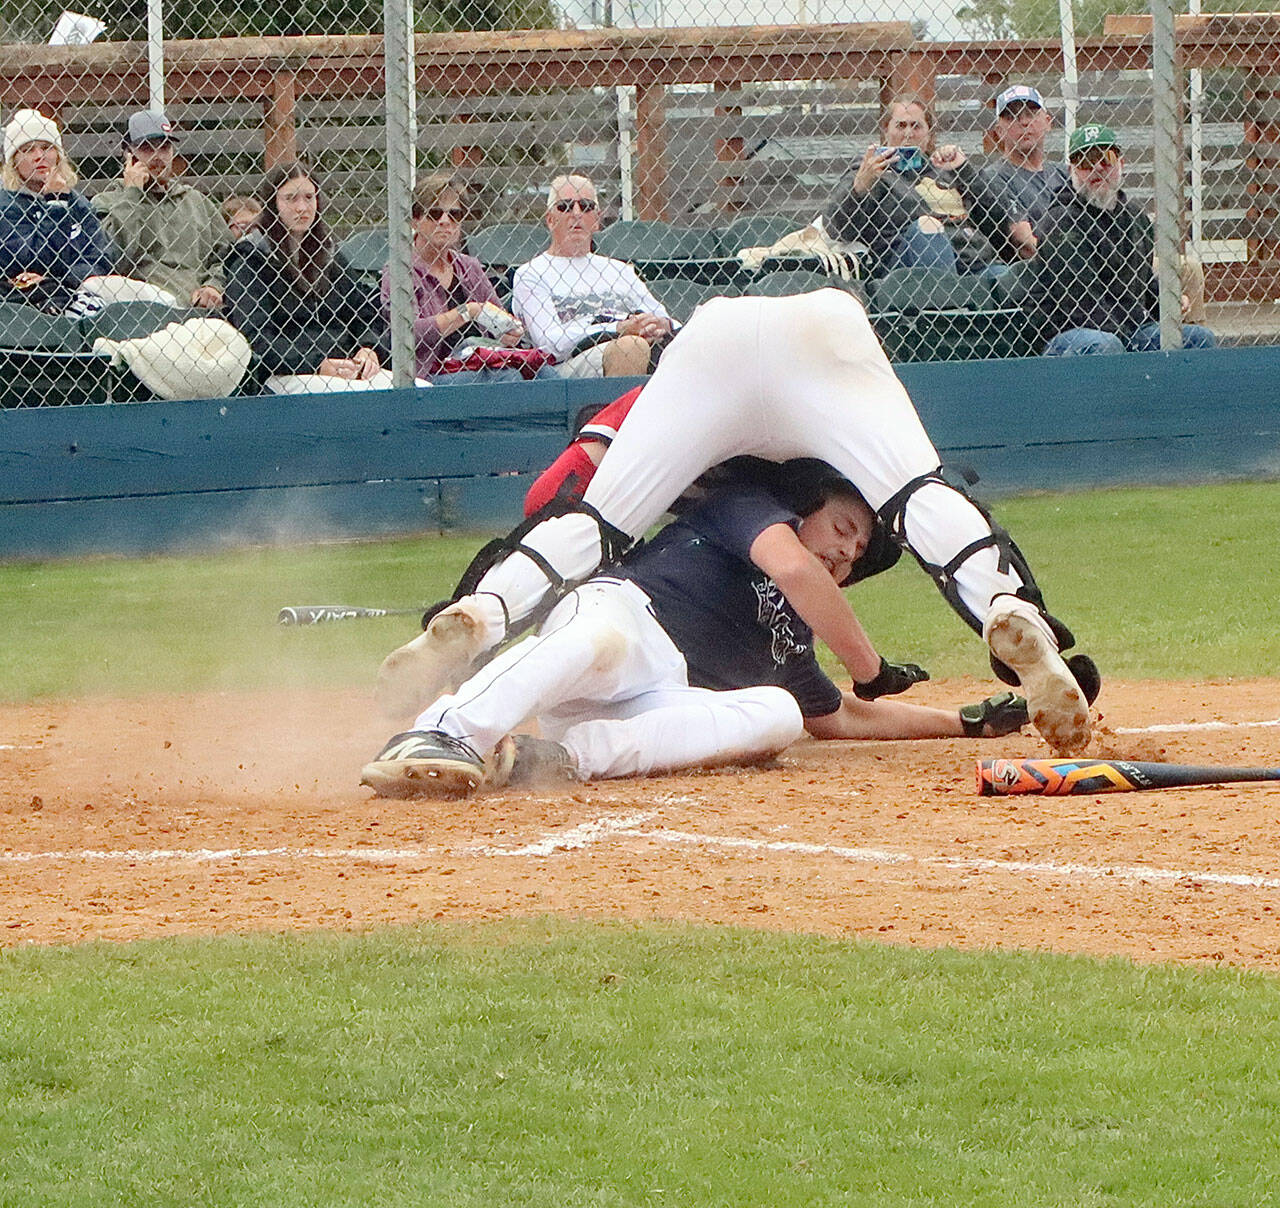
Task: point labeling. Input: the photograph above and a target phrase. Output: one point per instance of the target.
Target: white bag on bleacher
(96, 292)
(198, 358)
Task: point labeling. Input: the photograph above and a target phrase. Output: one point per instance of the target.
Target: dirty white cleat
(1058, 709)
(424, 763)
(413, 676)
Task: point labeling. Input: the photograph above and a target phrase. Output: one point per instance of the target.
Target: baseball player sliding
(776, 378)
(690, 653)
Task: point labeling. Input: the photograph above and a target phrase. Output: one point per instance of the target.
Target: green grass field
(561, 1063)
(551, 1065)
(1159, 583)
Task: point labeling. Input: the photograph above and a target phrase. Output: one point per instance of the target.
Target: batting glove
(891, 679)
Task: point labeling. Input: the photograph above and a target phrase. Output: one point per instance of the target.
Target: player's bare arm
(888, 719)
(808, 584)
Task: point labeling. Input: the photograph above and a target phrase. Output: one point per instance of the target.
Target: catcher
(775, 378)
(690, 653)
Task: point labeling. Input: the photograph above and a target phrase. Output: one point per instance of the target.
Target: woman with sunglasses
(312, 325)
(450, 288)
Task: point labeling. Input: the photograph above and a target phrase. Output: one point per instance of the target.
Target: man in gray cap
(169, 234)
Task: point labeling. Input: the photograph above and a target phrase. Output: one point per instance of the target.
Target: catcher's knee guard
(613, 544)
(893, 514)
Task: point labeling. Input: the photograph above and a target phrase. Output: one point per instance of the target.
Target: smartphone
(910, 159)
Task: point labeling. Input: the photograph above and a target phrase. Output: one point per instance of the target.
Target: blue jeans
(1088, 341)
(914, 248)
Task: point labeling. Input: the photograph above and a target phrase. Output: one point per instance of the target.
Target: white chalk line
(631, 826)
(1179, 727)
(1047, 868)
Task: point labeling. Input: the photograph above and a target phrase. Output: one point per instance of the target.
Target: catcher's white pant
(603, 678)
(801, 376)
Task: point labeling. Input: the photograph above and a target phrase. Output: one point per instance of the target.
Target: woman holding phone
(913, 203)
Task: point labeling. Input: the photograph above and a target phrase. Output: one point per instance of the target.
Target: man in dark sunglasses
(592, 313)
(1093, 287)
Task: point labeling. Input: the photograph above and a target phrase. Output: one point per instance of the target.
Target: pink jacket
(430, 300)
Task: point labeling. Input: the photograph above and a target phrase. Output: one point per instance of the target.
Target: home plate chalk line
(633, 825)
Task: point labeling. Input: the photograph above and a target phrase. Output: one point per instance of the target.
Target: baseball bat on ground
(316, 614)
(1082, 777)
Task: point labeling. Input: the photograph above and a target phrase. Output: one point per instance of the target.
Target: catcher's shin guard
(893, 514)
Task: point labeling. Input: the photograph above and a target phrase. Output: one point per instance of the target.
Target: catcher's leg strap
(614, 543)
(893, 513)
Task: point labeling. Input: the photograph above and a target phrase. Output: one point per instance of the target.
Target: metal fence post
(155, 55)
(1166, 139)
(401, 90)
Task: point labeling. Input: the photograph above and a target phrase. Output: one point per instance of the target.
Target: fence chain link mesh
(730, 147)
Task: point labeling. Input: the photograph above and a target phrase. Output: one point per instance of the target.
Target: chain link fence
(984, 175)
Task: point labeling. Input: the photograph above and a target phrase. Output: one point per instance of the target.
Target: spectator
(593, 314)
(450, 289)
(50, 238)
(911, 203)
(239, 213)
(311, 323)
(1026, 176)
(168, 234)
(1093, 288)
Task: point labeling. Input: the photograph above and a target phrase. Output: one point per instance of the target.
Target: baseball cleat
(1004, 713)
(522, 761)
(1056, 705)
(413, 676)
(424, 763)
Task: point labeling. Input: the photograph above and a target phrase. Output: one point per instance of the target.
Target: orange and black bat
(1082, 777)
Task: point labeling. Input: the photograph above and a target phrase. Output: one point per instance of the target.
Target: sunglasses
(436, 213)
(585, 205)
(1091, 157)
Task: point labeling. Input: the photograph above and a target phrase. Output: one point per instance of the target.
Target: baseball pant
(800, 376)
(604, 679)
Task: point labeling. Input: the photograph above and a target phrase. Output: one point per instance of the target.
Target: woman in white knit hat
(50, 238)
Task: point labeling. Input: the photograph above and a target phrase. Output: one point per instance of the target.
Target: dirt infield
(233, 812)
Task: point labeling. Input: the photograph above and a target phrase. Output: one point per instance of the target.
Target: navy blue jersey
(725, 615)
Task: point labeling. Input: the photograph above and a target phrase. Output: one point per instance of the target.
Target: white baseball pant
(778, 378)
(604, 679)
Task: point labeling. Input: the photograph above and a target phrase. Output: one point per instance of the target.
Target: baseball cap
(149, 128)
(1018, 93)
(1084, 137)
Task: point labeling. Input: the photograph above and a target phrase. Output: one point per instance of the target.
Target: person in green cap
(1092, 287)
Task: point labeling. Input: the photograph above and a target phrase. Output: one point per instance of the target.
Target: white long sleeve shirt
(562, 300)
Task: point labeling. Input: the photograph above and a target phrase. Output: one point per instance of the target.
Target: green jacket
(176, 240)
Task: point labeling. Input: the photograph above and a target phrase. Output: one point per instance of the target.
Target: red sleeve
(573, 466)
(572, 470)
(605, 423)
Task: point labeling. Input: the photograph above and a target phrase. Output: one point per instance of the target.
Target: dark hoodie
(1093, 269)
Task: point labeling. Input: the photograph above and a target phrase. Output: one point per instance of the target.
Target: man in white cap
(50, 238)
(1027, 177)
(169, 234)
